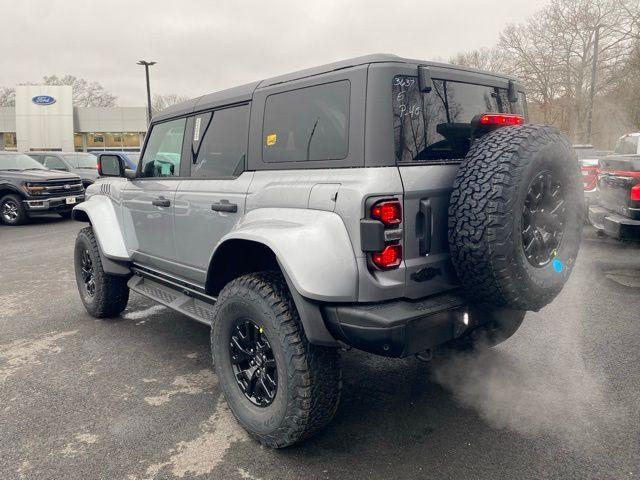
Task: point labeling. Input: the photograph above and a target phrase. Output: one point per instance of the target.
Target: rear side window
(307, 124)
(162, 154)
(437, 125)
(219, 143)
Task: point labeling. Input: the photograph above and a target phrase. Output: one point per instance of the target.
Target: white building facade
(44, 118)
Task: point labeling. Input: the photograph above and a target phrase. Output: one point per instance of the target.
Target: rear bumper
(52, 204)
(400, 327)
(613, 224)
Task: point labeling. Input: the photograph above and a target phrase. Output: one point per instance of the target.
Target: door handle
(161, 202)
(224, 206)
(423, 227)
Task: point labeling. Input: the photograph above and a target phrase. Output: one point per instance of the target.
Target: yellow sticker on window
(271, 139)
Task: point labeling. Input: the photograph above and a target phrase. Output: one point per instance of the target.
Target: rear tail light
(389, 258)
(590, 177)
(388, 212)
(635, 193)
(503, 119)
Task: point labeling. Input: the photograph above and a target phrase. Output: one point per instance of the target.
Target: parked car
(617, 214)
(82, 164)
(628, 144)
(130, 159)
(588, 157)
(27, 189)
(392, 205)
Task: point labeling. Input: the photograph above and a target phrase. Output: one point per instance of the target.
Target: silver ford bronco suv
(391, 205)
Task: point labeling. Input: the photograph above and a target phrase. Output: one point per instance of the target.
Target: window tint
(437, 125)
(219, 143)
(307, 124)
(54, 163)
(162, 155)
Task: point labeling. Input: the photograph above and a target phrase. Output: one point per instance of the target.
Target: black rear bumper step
(399, 328)
(613, 224)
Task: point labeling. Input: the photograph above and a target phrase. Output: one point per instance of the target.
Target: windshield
(627, 145)
(18, 161)
(81, 160)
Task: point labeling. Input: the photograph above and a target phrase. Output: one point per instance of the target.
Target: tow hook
(425, 355)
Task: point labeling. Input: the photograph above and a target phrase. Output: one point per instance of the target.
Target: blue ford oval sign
(43, 100)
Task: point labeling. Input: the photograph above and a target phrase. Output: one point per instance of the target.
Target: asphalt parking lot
(136, 398)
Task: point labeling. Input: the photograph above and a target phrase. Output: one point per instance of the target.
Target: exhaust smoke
(545, 388)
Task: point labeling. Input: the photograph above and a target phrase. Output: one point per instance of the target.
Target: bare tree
(7, 97)
(162, 101)
(553, 54)
(85, 93)
(488, 59)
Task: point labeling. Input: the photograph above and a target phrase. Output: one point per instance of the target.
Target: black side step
(177, 298)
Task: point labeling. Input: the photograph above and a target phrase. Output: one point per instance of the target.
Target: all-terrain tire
(493, 189)
(12, 211)
(309, 377)
(109, 294)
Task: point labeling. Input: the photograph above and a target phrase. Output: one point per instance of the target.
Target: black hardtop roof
(244, 93)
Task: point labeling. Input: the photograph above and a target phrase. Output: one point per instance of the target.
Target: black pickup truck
(27, 188)
(618, 213)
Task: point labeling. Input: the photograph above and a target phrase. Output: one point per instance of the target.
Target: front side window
(54, 163)
(81, 160)
(437, 125)
(308, 124)
(161, 157)
(219, 143)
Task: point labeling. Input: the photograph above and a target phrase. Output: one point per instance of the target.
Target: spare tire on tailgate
(515, 217)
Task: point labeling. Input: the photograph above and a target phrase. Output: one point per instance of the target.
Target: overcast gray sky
(204, 46)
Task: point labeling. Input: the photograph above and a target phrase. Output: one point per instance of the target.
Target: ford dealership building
(44, 118)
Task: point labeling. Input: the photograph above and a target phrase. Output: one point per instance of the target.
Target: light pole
(146, 71)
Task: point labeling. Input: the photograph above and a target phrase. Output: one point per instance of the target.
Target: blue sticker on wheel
(557, 265)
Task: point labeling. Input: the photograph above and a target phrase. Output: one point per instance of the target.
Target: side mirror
(110, 166)
(424, 79)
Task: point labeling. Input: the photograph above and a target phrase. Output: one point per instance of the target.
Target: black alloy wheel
(88, 277)
(253, 362)
(543, 219)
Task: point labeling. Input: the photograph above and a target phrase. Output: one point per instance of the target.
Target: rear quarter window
(307, 124)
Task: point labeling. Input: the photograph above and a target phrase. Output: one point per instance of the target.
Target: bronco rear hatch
(433, 132)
